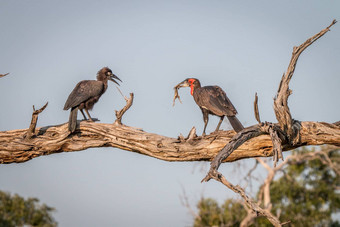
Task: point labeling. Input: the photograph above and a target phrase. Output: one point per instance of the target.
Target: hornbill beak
(184, 83)
(112, 77)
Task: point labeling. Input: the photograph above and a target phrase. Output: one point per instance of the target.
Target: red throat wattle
(192, 89)
(191, 82)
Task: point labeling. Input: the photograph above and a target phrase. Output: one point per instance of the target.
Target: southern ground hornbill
(86, 94)
(211, 100)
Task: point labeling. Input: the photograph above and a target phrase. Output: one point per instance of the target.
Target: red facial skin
(191, 82)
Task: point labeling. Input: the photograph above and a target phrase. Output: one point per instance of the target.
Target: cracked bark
(56, 139)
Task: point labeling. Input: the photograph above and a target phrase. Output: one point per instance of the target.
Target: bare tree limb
(256, 109)
(249, 201)
(31, 130)
(56, 139)
(322, 155)
(282, 112)
(119, 114)
(239, 139)
(2, 75)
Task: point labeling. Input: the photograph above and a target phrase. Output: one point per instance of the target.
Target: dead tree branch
(282, 112)
(56, 139)
(119, 114)
(322, 155)
(249, 201)
(2, 75)
(31, 130)
(256, 109)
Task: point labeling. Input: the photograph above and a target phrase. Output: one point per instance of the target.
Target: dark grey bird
(212, 100)
(86, 94)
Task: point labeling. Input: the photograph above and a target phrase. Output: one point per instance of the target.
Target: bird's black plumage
(86, 94)
(213, 100)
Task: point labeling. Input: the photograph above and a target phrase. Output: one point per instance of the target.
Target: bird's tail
(235, 123)
(72, 122)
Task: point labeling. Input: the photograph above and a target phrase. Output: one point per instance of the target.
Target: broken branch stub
(31, 130)
(256, 109)
(119, 114)
(2, 75)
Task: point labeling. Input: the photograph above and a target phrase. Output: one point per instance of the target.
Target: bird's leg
(88, 114)
(219, 124)
(205, 119)
(83, 114)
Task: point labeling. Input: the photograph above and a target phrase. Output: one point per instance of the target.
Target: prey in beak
(184, 83)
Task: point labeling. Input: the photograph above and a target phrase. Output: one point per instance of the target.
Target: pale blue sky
(243, 46)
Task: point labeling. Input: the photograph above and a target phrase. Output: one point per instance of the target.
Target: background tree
(17, 211)
(306, 194)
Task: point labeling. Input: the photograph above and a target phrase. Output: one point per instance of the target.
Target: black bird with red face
(86, 94)
(212, 100)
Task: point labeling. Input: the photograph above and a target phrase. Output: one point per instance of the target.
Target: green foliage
(16, 211)
(307, 194)
(211, 214)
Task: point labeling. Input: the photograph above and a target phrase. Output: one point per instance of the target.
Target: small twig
(2, 75)
(185, 202)
(248, 177)
(256, 109)
(124, 97)
(192, 134)
(31, 130)
(119, 114)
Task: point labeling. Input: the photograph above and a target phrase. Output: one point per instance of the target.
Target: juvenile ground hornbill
(86, 94)
(212, 100)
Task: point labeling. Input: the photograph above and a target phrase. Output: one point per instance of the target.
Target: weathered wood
(282, 112)
(2, 75)
(31, 130)
(119, 114)
(256, 110)
(56, 139)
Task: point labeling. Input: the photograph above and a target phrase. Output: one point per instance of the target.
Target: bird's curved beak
(184, 83)
(112, 77)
